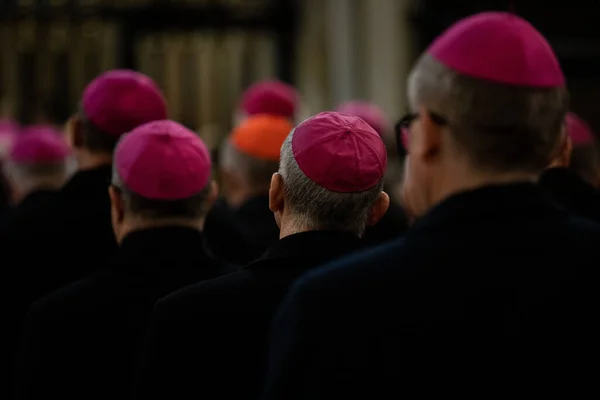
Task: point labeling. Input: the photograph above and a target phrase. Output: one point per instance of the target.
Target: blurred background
(204, 53)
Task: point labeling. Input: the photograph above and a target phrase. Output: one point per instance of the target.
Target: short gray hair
(501, 128)
(257, 172)
(317, 208)
(191, 208)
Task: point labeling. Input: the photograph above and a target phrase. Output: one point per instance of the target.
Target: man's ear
(117, 205)
(276, 191)
(427, 136)
(563, 151)
(75, 132)
(212, 195)
(379, 208)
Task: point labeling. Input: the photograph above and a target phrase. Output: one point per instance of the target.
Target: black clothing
(210, 340)
(81, 341)
(572, 192)
(241, 235)
(492, 293)
(392, 225)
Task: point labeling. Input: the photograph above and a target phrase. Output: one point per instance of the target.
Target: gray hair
(500, 128)
(190, 208)
(317, 208)
(257, 172)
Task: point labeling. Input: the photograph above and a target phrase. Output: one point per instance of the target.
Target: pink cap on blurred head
(163, 160)
(120, 100)
(578, 130)
(499, 47)
(270, 97)
(39, 144)
(339, 152)
(368, 112)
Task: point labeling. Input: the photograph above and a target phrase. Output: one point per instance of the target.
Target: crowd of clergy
(315, 269)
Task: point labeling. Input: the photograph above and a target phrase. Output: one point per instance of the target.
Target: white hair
(314, 207)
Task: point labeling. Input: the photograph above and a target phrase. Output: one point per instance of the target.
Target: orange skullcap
(261, 136)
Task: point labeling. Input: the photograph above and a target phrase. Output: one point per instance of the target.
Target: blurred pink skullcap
(578, 130)
(270, 97)
(499, 47)
(339, 152)
(368, 112)
(163, 160)
(120, 100)
(40, 128)
(39, 145)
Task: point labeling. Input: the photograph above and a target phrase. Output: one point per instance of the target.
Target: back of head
(584, 160)
(161, 174)
(116, 102)
(39, 159)
(332, 166)
(270, 97)
(499, 87)
(489, 100)
(251, 154)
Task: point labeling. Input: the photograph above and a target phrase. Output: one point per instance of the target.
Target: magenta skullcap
(163, 160)
(339, 152)
(270, 97)
(39, 145)
(120, 100)
(578, 130)
(499, 47)
(370, 113)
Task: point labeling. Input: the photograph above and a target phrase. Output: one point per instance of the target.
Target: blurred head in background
(9, 130)
(330, 176)
(38, 160)
(488, 101)
(271, 97)
(374, 116)
(161, 177)
(250, 156)
(115, 102)
(579, 152)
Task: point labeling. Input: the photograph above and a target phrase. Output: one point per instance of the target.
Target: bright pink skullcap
(39, 144)
(163, 160)
(370, 113)
(499, 47)
(578, 130)
(270, 97)
(339, 152)
(120, 100)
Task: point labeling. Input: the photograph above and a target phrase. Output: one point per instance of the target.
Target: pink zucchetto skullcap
(121, 100)
(163, 160)
(339, 152)
(499, 47)
(578, 130)
(270, 97)
(370, 113)
(39, 145)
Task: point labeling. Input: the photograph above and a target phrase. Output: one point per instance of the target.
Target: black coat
(572, 192)
(81, 341)
(493, 293)
(241, 235)
(210, 340)
(392, 225)
(17, 287)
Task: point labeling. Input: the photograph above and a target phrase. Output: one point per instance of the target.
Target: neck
(456, 180)
(134, 224)
(87, 160)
